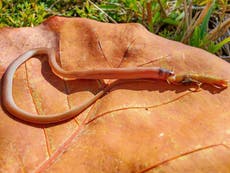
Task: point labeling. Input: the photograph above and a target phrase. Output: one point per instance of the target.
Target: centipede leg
(190, 80)
(197, 88)
(218, 87)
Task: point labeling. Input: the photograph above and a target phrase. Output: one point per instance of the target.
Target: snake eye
(169, 73)
(165, 72)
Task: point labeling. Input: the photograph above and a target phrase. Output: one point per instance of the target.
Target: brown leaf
(138, 126)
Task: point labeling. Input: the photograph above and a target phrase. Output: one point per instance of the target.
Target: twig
(54, 4)
(197, 22)
(110, 18)
(190, 29)
(190, 12)
(219, 30)
(149, 15)
(186, 15)
(162, 9)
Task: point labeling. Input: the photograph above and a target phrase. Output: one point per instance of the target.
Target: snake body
(103, 73)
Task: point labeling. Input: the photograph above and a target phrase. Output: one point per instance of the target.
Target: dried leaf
(138, 126)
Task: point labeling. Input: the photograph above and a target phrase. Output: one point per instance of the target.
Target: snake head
(165, 73)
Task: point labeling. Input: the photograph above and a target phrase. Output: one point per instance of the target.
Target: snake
(98, 73)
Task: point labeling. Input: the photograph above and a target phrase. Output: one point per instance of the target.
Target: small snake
(103, 73)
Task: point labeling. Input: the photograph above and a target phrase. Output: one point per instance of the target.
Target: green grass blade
(216, 47)
(204, 24)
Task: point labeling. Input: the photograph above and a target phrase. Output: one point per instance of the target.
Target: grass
(200, 23)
